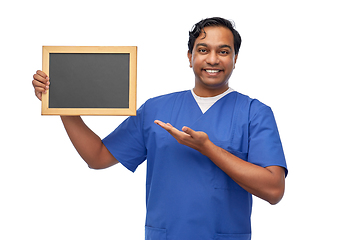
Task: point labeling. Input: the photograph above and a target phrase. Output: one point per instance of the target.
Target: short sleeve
(265, 148)
(126, 142)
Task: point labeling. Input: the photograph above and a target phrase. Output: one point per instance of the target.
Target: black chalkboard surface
(90, 80)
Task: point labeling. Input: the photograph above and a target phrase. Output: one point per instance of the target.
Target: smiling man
(220, 147)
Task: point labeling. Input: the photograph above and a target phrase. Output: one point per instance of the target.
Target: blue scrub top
(187, 196)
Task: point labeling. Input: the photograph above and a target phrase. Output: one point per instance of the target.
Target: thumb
(187, 130)
(39, 95)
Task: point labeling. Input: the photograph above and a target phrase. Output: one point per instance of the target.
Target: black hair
(215, 21)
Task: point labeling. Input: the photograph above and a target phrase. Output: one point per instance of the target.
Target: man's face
(213, 60)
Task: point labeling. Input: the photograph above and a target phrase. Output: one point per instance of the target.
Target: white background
(300, 57)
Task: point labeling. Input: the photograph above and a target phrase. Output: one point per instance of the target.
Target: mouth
(212, 71)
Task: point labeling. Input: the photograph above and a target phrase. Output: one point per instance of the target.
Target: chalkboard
(90, 80)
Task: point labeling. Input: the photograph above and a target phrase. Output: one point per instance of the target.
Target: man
(219, 148)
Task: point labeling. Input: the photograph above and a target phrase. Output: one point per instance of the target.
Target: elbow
(95, 167)
(101, 163)
(276, 191)
(274, 201)
(94, 163)
(275, 196)
(98, 166)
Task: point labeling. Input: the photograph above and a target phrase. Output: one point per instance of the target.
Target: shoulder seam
(259, 110)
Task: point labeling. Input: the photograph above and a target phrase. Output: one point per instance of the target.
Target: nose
(212, 58)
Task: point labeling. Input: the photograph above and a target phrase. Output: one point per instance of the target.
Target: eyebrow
(225, 46)
(221, 46)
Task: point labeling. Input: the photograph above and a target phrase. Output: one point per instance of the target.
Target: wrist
(207, 148)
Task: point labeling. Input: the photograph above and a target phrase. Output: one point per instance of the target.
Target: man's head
(198, 28)
(213, 48)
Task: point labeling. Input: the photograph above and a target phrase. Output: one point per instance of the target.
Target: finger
(166, 126)
(42, 74)
(41, 77)
(160, 123)
(40, 88)
(172, 130)
(38, 84)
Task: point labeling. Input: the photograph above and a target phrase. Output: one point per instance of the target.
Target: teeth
(212, 71)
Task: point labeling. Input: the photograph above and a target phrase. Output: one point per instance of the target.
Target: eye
(202, 50)
(224, 52)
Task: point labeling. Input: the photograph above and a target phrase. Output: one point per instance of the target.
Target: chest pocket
(222, 180)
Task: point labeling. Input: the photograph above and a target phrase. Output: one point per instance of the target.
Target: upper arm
(106, 159)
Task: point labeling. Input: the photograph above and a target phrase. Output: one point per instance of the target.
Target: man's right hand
(41, 83)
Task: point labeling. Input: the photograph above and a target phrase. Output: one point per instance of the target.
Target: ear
(235, 59)
(190, 58)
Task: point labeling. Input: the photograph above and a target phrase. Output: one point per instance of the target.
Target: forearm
(87, 143)
(266, 183)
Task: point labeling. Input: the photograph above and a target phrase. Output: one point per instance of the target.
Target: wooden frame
(129, 110)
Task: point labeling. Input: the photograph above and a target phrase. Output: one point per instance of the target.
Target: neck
(210, 92)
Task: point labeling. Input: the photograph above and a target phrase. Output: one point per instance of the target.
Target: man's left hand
(194, 139)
